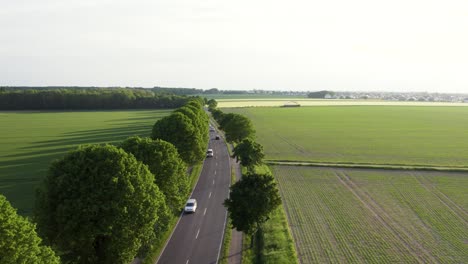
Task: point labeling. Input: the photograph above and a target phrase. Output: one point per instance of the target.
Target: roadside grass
(29, 141)
(274, 243)
(228, 230)
(395, 135)
(376, 216)
(156, 248)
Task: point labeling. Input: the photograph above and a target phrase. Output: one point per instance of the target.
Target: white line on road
(187, 261)
(209, 196)
(213, 182)
(216, 164)
(197, 233)
(204, 212)
(215, 172)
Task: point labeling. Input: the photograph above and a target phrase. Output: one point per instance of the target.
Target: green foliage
(217, 114)
(237, 127)
(86, 98)
(164, 162)
(249, 152)
(26, 153)
(19, 242)
(187, 129)
(251, 201)
(179, 130)
(212, 104)
(98, 204)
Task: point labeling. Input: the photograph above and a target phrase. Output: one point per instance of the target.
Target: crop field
(29, 141)
(226, 102)
(376, 216)
(401, 135)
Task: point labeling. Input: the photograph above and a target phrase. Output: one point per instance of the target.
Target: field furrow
(370, 216)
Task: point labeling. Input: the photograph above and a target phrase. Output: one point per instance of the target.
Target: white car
(209, 153)
(190, 206)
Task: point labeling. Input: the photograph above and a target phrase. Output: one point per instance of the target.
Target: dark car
(217, 137)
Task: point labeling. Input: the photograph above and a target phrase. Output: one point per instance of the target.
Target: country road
(198, 237)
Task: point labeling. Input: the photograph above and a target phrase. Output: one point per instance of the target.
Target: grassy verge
(274, 243)
(155, 251)
(228, 231)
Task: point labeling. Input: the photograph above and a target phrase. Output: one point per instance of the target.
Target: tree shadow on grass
(21, 173)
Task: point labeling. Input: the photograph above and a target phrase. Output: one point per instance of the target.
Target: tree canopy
(98, 204)
(249, 153)
(237, 127)
(251, 201)
(19, 242)
(178, 129)
(86, 98)
(187, 129)
(164, 162)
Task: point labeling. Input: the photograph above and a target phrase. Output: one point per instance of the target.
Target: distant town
(385, 96)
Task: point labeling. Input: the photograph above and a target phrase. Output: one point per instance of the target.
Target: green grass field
(29, 141)
(376, 216)
(407, 135)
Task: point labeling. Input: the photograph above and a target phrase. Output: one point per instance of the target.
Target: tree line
(86, 99)
(109, 203)
(255, 195)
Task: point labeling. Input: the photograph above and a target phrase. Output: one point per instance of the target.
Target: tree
(251, 201)
(19, 242)
(164, 162)
(98, 204)
(237, 127)
(212, 104)
(178, 130)
(249, 153)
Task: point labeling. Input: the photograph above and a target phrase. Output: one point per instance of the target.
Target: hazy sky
(363, 45)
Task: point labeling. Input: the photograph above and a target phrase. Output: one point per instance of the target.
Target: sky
(340, 45)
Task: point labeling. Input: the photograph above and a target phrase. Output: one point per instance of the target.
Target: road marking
(187, 261)
(216, 164)
(215, 172)
(213, 182)
(197, 233)
(209, 196)
(204, 212)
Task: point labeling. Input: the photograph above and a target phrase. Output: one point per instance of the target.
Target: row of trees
(86, 99)
(186, 128)
(102, 203)
(255, 196)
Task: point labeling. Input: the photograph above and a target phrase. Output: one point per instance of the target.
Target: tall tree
(164, 162)
(98, 204)
(212, 104)
(179, 130)
(249, 152)
(251, 201)
(19, 242)
(237, 127)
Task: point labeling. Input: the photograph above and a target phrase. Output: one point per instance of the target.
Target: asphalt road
(198, 236)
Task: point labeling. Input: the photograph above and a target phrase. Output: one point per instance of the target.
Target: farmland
(232, 101)
(376, 216)
(406, 135)
(29, 141)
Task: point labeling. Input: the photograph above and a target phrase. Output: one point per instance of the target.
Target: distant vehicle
(212, 129)
(191, 206)
(217, 137)
(209, 153)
